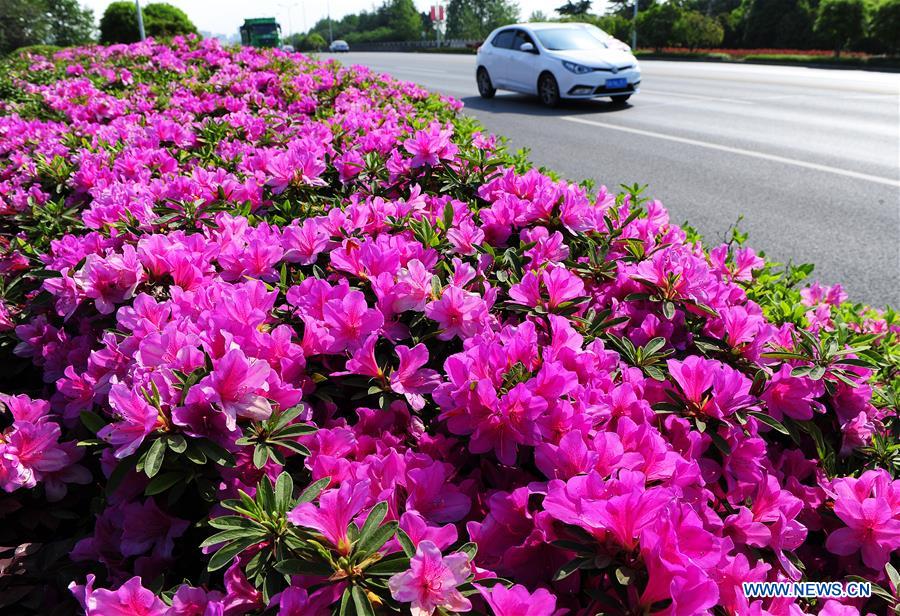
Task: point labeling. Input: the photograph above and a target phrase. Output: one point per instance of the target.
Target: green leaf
(624, 575)
(668, 310)
(297, 566)
(362, 603)
(720, 443)
(265, 495)
(817, 372)
(654, 345)
(295, 430)
(176, 443)
(345, 601)
(389, 566)
(216, 453)
(227, 552)
(313, 490)
(284, 492)
(162, 482)
(195, 455)
(376, 539)
(373, 520)
(893, 575)
(570, 567)
(154, 457)
(233, 521)
(232, 534)
(769, 421)
(92, 421)
(470, 549)
(406, 543)
(260, 455)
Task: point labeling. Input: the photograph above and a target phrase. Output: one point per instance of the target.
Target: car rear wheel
(548, 90)
(485, 88)
(620, 100)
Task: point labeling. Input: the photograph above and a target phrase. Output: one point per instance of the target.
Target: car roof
(545, 25)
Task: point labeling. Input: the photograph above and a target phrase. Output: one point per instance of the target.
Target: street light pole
(634, 27)
(330, 31)
(140, 16)
(290, 22)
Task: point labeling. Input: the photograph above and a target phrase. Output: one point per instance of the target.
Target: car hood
(596, 58)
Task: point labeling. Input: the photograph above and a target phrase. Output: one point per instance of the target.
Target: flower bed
(284, 335)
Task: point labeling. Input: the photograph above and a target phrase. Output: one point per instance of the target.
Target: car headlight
(578, 69)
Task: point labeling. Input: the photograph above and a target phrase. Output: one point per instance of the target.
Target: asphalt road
(809, 157)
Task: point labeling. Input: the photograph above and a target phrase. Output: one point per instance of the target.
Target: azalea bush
(281, 336)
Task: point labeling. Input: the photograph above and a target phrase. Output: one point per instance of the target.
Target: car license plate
(612, 84)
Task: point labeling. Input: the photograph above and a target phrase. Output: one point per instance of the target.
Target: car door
(523, 72)
(498, 57)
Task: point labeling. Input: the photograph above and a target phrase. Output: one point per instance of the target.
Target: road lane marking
(697, 96)
(724, 148)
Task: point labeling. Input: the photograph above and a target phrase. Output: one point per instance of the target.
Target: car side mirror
(527, 48)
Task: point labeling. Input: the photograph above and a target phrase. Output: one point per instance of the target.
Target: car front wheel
(620, 100)
(548, 90)
(485, 88)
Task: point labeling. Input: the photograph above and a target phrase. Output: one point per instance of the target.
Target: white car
(557, 61)
(339, 45)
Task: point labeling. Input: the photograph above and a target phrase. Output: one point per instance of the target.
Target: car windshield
(561, 39)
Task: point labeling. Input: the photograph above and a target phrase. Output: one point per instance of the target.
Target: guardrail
(416, 45)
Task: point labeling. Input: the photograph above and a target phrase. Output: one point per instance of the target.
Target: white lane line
(738, 101)
(724, 148)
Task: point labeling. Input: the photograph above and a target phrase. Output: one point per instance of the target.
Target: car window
(558, 39)
(504, 39)
(520, 39)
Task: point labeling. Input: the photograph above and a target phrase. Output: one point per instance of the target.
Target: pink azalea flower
(432, 580)
(189, 601)
(147, 527)
(137, 419)
(429, 147)
(335, 511)
(457, 312)
(694, 375)
(517, 601)
(130, 599)
(235, 385)
(410, 379)
(872, 524)
(350, 320)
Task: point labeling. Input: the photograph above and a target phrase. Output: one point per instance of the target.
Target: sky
(226, 16)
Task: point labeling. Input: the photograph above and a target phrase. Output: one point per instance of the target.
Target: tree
(18, 26)
(162, 19)
(840, 21)
(694, 29)
(538, 16)
(44, 22)
(575, 7)
(779, 24)
(69, 23)
(615, 25)
(886, 25)
(474, 19)
(315, 42)
(404, 20)
(656, 25)
(119, 22)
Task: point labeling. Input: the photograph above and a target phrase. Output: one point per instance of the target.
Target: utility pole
(140, 16)
(634, 27)
(330, 31)
(290, 22)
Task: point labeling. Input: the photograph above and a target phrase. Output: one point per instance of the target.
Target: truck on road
(261, 32)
